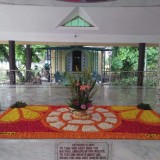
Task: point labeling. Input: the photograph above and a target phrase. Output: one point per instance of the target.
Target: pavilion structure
(67, 23)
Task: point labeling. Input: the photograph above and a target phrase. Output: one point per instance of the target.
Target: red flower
(83, 87)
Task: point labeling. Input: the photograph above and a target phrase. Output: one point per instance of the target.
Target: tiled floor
(45, 149)
(58, 95)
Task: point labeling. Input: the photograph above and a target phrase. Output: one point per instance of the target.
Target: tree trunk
(141, 64)
(28, 63)
(20, 75)
(12, 65)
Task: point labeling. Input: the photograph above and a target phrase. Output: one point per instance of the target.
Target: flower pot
(80, 114)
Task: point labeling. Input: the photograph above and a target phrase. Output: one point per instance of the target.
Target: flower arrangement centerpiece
(82, 87)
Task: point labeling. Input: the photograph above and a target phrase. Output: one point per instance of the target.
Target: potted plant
(82, 88)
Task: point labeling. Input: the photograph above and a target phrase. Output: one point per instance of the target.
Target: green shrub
(144, 106)
(18, 104)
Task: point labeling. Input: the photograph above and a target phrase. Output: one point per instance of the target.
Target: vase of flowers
(82, 88)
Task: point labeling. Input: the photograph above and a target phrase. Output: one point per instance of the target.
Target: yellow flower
(26, 113)
(149, 116)
(130, 114)
(133, 113)
(13, 115)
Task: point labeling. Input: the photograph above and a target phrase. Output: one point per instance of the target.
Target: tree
(4, 53)
(21, 55)
(29, 53)
(152, 58)
(124, 58)
(36, 56)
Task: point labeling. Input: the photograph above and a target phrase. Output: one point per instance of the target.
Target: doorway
(76, 57)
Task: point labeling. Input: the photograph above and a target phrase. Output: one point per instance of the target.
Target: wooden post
(12, 65)
(141, 64)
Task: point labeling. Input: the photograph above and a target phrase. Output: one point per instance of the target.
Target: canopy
(113, 21)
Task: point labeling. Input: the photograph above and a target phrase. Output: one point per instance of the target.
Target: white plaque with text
(82, 151)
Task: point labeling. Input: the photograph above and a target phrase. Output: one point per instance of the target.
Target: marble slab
(46, 149)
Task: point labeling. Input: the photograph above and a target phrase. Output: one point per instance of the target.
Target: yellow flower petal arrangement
(134, 113)
(25, 113)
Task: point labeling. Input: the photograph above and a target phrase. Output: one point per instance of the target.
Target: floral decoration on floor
(136, 114)
(101, 119)
(28, 113)
(116, 122)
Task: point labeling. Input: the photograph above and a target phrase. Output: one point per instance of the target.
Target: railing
(23, 77)
(129, 78)
(33, 77)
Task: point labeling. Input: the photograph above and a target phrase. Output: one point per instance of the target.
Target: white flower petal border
(101, 119)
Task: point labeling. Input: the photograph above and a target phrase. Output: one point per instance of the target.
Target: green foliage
(130, 81)
(152, 58)
(20, 54)
(150, 82)
(3, 76)
(18, 104)
(37, 53)
(126, 58)
(4, 52)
